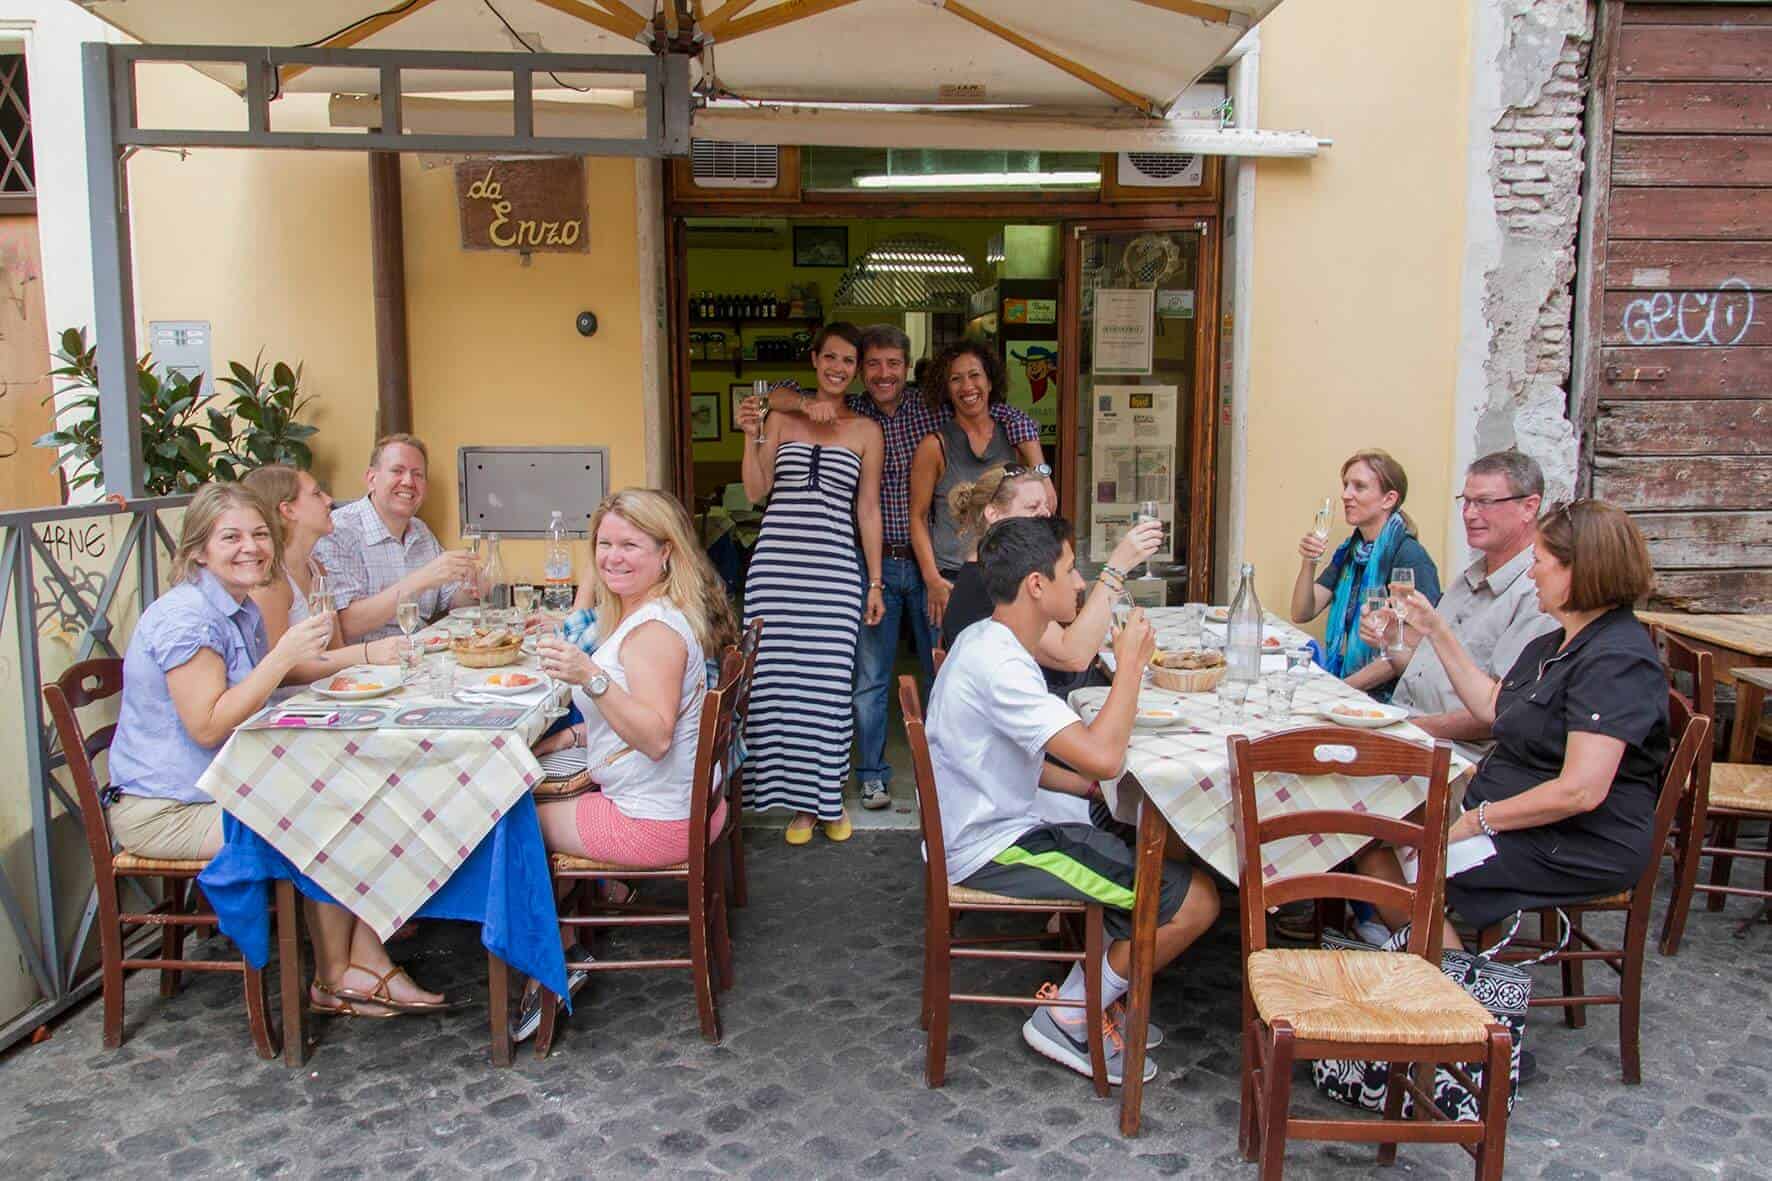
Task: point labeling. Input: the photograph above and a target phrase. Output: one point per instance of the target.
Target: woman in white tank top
(659, 609)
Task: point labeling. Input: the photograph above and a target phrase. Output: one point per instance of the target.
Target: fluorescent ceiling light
(974, 180)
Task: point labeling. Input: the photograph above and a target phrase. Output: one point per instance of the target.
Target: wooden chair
(746, 670)
(704, 875)
(1692, 731)
(85, 683)
(1393, 1007)
(1723, 795)
(943, 903)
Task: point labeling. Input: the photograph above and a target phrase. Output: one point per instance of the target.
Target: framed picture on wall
(736, 393)
(704, 418)
(821, 246)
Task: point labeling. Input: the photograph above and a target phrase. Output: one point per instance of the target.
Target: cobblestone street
(820, 1073)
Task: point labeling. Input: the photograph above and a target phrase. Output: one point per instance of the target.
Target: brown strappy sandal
(342, 1007)
(383, 996)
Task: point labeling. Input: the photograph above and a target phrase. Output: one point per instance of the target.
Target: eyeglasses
(1012, 470)
(1484, 503)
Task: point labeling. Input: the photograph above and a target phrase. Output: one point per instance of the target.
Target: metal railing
(81, 602)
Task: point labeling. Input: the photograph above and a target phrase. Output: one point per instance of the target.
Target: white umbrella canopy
(1062, 55)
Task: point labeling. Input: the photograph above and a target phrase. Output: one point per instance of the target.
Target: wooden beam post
(785, 13)
(1082, 73)
(356, 34)
(617, 18)
(387, 249)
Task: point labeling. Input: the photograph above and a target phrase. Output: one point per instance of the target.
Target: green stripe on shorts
(1072, 872)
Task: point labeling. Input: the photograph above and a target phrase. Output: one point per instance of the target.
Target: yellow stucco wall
(1357, 263)
(272, 247)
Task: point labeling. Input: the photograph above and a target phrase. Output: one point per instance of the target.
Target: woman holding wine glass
(301, 510)
(1359, 574)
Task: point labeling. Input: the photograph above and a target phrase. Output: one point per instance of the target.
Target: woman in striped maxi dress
(814, 578)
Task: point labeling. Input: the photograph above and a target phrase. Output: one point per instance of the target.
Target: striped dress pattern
(806, 583)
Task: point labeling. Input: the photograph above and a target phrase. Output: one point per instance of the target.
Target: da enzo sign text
(523, 205)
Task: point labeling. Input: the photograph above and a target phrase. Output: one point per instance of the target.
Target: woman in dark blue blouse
(1373, 488)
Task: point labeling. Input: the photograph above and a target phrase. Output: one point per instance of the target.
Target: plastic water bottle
(1242, 652)
(557, 572)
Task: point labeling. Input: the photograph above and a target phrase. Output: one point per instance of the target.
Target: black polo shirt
(1608, 681)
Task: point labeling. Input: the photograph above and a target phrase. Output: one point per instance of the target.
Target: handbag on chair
(1504, 989)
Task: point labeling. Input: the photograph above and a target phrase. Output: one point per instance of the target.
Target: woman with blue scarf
(1373, 486)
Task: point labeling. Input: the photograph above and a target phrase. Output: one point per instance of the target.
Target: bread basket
(478, 652)
(1187, 680)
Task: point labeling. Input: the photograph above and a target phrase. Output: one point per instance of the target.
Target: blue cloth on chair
(503, 885)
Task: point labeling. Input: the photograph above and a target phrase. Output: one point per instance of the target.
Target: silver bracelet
(1483, 820)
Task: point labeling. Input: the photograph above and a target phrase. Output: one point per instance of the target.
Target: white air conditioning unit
(1160, 170)
(734, 166)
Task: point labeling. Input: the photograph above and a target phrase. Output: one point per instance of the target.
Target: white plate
(1390, 715)
(386, 679)
(434, 642)
(482, 686)
(469, 613)
(1218, 615)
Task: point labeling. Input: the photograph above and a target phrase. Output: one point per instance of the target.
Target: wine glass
(760, 395)
(319, 595)
(1402, 581)
(1378, 606)
(1320, 527)
(523, 597)
(559, 694)
(1146, 511)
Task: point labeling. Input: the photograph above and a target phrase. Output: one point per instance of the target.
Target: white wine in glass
(1402, 581)
(319, 595)
(406, 615)
(1320, 527)
(523, 598)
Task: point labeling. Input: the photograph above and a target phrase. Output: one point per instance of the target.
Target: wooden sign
(523, 205)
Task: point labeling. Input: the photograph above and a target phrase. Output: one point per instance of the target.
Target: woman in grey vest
(966, 381)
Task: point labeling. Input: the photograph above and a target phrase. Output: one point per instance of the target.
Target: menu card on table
(316, 717)
(460, 717)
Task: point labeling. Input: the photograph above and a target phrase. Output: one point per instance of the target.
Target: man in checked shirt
(904, 417)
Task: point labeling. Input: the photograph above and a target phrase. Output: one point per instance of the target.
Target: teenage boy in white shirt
(992, 725)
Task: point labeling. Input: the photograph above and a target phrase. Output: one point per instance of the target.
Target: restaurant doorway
(1046, 256)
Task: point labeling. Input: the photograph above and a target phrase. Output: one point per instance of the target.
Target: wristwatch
(1043, 470)
(599, 684)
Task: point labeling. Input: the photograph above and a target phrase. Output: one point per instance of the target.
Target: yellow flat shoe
(798, 833)
(840, 829)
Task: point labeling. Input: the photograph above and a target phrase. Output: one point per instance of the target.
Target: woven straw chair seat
(965, 895)
(1382, 997)
(130, 863)
(1622, 898)
(1745, 787)
(567, 863)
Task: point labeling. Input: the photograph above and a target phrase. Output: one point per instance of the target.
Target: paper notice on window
(1132, 460)
(1125, 321)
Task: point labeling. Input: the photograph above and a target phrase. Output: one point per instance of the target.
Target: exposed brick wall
(1535, 177)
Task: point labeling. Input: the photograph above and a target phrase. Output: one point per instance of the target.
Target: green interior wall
(745, 271)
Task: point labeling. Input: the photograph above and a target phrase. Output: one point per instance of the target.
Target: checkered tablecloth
(380, 819)
(1185, 771)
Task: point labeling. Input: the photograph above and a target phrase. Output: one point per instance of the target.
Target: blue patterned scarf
(1345, 652)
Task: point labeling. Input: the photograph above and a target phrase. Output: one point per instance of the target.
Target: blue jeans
(875, 655)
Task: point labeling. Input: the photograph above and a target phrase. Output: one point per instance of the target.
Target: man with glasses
(904, 417)
(1493, 607)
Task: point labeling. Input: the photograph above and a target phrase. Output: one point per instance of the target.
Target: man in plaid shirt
(379, 551)
(904, 417)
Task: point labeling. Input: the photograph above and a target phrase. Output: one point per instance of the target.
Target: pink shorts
(609, 835)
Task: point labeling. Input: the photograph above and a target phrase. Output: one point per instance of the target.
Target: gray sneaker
(1050, 1038)
(874, 795)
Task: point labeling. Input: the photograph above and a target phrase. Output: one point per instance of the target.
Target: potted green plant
(259, 425)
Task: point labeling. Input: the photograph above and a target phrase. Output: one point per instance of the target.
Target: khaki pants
(166, 830)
